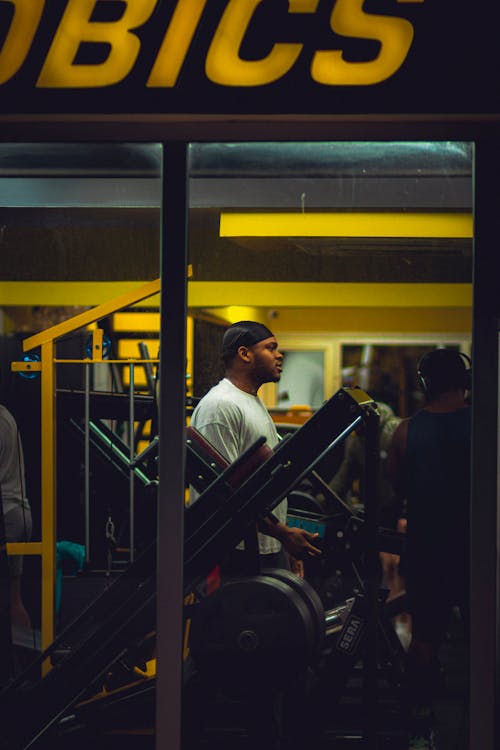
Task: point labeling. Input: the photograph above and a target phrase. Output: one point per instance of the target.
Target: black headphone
(426, 380)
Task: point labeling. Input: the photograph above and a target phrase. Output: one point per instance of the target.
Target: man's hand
(298, 542)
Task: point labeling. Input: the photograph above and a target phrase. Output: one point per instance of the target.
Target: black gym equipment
(232, 639)
(341, 531)
(270, 632)
(116, 623)
(104, 405)
(250, 626)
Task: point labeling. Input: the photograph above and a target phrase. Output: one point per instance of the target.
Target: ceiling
(93, 210)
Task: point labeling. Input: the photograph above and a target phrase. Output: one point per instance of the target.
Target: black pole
(172, 452)
(372, 577)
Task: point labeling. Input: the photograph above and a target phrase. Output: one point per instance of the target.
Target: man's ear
(244, 353)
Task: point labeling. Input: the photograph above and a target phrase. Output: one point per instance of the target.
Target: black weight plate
(251, 634)
(311, 599)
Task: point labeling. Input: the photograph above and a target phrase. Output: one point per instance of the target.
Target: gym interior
(131, 239)
(378, 272)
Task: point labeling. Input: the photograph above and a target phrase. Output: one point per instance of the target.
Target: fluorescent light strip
(450, 225)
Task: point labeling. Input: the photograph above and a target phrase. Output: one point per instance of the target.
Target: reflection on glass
(316, 179)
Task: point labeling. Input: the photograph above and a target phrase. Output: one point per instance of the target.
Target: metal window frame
(175, 132)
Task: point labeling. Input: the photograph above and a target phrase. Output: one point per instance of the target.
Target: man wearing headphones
(430, 467)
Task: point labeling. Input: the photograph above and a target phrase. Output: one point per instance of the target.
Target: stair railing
(46, 547)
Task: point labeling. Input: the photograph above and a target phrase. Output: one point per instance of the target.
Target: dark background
(448, 69)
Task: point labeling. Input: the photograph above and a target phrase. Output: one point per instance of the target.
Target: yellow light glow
(450, 225)
(233, 313)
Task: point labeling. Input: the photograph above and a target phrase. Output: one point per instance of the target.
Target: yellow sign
(224, 63)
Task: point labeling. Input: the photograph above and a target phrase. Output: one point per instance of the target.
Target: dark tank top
(438, 487)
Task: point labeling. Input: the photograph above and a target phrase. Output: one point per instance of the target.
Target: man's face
(267, 360)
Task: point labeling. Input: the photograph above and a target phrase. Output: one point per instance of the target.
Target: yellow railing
(46, 339)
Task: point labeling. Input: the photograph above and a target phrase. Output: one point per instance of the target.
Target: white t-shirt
(232, 420)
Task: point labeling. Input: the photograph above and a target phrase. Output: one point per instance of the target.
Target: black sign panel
(246, 57)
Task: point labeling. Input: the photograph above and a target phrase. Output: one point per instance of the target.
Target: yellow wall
(373, 319)
(356, 319)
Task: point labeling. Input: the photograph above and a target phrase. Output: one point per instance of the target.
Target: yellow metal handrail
(92, 316)
(46, 548)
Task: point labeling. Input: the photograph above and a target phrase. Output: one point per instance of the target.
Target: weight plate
(311, 599)
(252, 634)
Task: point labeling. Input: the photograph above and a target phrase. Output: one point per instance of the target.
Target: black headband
(244, 333)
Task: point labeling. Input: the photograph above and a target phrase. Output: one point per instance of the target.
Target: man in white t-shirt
(232, 417)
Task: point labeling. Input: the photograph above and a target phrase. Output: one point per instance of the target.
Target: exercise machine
(117, 623)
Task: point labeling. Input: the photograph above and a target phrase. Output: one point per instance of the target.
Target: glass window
(80, 227)
(358, 257)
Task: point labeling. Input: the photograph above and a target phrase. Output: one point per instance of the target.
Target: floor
(451, 708)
